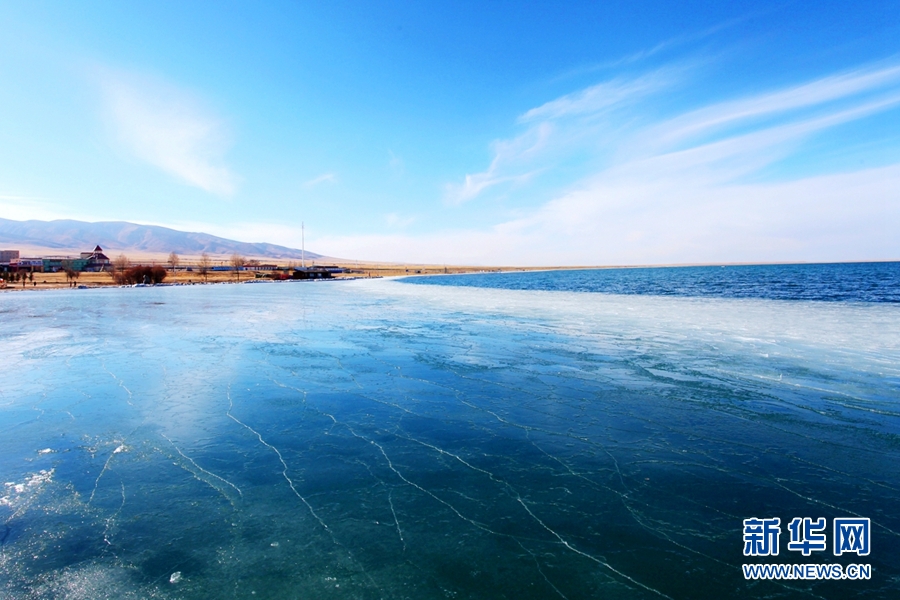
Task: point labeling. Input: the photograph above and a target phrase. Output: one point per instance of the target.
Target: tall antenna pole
(302, 246)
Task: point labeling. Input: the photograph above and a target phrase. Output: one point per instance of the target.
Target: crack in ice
(119, 448)
(586, 555)
(215, 487)
(284, 471)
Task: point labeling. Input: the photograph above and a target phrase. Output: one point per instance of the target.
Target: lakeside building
(35, 265)
(96, 260)
(311, 273)
(7, 257)
(54, 264)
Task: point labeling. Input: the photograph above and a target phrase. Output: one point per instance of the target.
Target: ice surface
(374, 439)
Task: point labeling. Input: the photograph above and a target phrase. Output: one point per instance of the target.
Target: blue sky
(477, 133)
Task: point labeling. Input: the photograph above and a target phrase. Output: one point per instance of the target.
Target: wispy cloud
(829, 89)
(848, 216)
(42, 208)
(398, 221)
(556, 127)
(686, 187)
(323, 178)
(24, 208)
(509, 155)
(660, 48)
(473, 185)
(169, 128)
(396, 164)
(603, 96)
(609, 120)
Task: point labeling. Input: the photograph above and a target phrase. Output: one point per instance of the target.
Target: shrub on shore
(140, 274)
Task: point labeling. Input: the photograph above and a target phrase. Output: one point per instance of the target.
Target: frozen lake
(376, 439)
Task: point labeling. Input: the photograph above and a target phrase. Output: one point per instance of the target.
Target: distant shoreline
(51, 281)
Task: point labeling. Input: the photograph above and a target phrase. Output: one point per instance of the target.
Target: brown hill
(66, 236)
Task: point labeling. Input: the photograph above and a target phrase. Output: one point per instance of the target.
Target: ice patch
(86, 582)
(17, 492)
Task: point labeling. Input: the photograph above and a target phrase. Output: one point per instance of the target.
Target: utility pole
(302, 246)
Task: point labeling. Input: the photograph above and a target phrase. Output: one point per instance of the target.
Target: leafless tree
(68, 267)
(120, 263)
(173, 261)
(237, 263)
(204, 265)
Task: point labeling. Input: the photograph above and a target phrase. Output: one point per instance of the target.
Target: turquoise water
(375, 439)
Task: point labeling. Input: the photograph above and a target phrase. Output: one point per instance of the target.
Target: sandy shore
(45, 281)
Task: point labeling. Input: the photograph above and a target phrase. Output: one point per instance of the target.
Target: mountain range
(65, 236)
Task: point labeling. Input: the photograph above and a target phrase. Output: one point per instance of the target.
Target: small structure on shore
(255, 265)
(311, 273)
(31, 265)
(54, 264)
(8, 255)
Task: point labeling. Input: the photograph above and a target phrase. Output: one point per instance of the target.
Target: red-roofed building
(96, 260)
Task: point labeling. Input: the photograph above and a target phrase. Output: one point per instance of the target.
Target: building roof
(96, 255)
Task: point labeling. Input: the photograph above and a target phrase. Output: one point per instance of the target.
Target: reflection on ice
(378, 440)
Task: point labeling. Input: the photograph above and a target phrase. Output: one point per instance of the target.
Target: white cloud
(557, 126)
(642, 55)
(396, 164)
(473, 185)
(508, 156)
(395, 220)
(603, 96)
(168, 128)
(609, 119)
(323, 178)
(834, 217)
(828, 89)
(851, 216)
(25, 208)
(682, 189)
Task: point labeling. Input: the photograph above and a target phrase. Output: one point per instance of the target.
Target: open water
(377, 439)
(839, 282)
